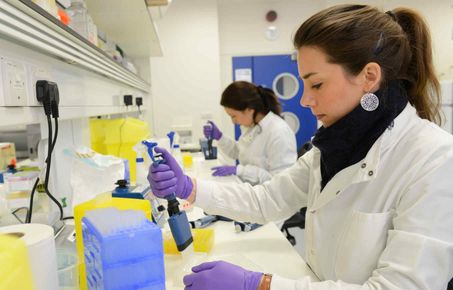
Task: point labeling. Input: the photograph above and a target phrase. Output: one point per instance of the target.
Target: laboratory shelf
(13, 116)
(27, 24)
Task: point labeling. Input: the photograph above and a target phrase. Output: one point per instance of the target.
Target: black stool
(295, 221)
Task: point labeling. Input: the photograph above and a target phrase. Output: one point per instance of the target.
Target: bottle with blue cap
(141, 169)
(176, 152)
(175, 148)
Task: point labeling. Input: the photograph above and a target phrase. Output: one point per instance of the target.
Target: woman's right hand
(212, 131)
(168, 178)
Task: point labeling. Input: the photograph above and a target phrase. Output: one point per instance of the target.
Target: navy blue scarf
(347, 141)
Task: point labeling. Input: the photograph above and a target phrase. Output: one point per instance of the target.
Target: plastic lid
(176, 146)
(139, 159)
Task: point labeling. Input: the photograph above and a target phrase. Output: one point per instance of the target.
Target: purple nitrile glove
(212, 131)
(167, 178)
(220, 275)
(224, 170)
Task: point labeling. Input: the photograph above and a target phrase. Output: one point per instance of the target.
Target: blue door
(279, 73)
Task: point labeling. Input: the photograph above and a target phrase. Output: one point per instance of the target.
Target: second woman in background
(267, 144)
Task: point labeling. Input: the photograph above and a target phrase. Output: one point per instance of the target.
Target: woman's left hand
(224, 170)
(221, 275)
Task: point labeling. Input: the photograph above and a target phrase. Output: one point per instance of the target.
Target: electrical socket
(14, 82)
(36, 73)
(127, 100)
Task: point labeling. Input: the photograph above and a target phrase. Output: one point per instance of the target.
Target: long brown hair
(398, 40)
(241, 95)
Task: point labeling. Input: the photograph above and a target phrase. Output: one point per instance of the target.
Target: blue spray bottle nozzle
(171, 136)
(150, 147)
(156, 161)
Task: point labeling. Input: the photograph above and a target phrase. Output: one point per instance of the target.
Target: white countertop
(264, 249)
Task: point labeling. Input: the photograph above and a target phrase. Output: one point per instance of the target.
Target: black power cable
(47, 94)
(49, 157)
(139, 102)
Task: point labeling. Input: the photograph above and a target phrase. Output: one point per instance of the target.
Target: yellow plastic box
(102, 201)
(117, 137)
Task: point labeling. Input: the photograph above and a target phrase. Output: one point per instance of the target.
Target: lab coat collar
(251, 132)
(267, 120)
(349, 140)
(366, 169)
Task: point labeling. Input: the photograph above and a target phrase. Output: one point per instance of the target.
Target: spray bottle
(175, 148)
(141, 170)
(171, 137)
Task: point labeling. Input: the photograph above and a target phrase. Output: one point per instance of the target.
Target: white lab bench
(264, 249)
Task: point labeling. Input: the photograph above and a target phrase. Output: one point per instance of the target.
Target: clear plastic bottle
(141, 172)
(79, 17)
(177, 154)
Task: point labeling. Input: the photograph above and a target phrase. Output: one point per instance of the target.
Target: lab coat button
(370, 173)
(392, 124)
(363, 165)
(312, 252)
(312, 211)
(338, 192)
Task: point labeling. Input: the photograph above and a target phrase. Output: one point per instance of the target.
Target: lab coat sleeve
(419, 250)
(229, 147)
(281, 153)
(273, 200)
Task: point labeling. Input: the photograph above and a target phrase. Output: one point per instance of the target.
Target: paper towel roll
(39, 240)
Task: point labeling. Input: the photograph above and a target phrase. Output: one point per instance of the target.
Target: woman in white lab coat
(267, 144)
(378, 183)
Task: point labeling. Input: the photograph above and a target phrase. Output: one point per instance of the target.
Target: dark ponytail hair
(398, 40)
(241, 95)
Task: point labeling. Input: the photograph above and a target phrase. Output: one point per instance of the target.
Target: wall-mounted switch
(14, 83)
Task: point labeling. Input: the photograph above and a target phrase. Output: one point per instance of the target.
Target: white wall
(186, 80)
(242, 26)
(439, 15)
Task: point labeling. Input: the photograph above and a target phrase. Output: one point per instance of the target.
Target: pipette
(179, 224)
(210, 148)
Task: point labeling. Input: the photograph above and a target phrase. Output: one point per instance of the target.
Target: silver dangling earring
(369, 102)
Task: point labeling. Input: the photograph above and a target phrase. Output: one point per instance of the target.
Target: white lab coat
(262, 150)
(383, 223)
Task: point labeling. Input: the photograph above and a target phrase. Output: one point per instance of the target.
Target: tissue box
(21, 180)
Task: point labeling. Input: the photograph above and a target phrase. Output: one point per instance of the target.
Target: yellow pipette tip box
(203, 241)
